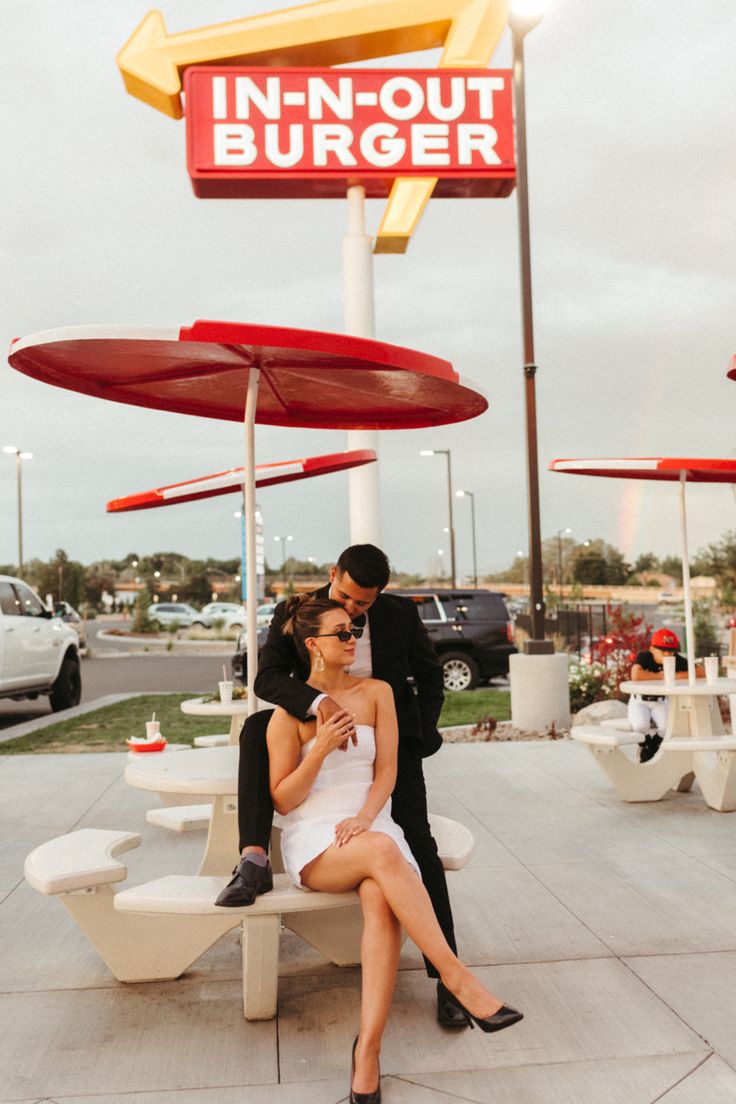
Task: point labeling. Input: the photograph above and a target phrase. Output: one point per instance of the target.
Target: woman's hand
(348, 829)
(335, 732)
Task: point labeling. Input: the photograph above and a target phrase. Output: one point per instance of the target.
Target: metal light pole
(471, 496)
(19, 458)
(446, 454)
(559, 557)
(283, 541)
(521, 21)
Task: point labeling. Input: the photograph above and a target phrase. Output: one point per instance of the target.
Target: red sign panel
(300, 133)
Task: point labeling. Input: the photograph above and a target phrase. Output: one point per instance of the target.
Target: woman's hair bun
(292, 604)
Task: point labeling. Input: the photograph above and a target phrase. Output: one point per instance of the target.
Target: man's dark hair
(366, 565)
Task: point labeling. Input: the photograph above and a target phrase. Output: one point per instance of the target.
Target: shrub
(706, 634)
(610, 661)
(589, 682)
(616, 651)
(142, 623)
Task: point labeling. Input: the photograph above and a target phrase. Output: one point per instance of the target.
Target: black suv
(471, 630)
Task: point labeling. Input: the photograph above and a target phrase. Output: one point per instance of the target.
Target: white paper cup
(711, 668)
(153, 730)
(668, 667)
(226, 692)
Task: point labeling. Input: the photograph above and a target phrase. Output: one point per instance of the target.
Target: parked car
(231, 613)
(70, 616)
(471, 631)
(39, 653)
(239, 662)
(264, 614)
(168, 612)
(264, 617)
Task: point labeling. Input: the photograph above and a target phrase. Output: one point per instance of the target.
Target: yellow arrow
(326, 32)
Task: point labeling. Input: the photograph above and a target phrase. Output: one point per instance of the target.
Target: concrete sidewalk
(611, 926)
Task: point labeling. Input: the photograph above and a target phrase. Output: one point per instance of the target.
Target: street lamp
(283, 541)
(559, 556)
(446, 454)
(19, 458)
(471, 496)
(523, 17)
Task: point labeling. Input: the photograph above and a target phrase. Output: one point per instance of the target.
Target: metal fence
(577, 624)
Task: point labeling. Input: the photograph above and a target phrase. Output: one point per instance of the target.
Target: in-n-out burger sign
(264, 133)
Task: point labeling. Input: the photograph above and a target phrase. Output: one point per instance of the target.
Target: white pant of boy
(642, 714)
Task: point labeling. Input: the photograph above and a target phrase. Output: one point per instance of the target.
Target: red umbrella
(209, 486)
(681, 468)
(280, 376)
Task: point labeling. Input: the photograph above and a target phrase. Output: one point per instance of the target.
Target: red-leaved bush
(626, 636)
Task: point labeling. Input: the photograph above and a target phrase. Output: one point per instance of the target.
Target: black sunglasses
(344, 634)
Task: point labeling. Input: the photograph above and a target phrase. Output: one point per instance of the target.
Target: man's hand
(326, 708)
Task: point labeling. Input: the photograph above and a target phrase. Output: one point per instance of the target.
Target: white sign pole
(357, 262)
(689, 633)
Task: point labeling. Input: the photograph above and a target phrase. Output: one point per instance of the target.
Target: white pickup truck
(38, 651)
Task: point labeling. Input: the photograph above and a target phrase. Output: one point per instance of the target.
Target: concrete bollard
(540, 694)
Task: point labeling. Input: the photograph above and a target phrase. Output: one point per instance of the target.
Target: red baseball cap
(666, 640)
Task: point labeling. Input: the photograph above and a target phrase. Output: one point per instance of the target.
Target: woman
(334, 799)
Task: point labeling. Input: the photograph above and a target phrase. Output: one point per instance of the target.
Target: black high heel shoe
(505, 1017)
(363, 1098)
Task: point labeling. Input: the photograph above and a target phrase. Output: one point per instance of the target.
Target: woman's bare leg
(375, 855)
(379, 957)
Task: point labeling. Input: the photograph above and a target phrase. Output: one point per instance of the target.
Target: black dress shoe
(363, 1098)
(448, 1013)
(249, 881)
(505, 1017)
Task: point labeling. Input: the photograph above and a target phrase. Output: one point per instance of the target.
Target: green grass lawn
(471, 706)
(107, 729)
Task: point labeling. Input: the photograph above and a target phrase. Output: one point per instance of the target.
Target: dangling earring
(319, 663)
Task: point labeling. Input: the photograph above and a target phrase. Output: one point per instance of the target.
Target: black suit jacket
(400, 650)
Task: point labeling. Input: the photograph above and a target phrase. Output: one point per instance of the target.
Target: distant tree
(196, 583)
(590, 568)
(647, 561)
(61, 577)
(719, 559)
(98, 578)
(672, 565)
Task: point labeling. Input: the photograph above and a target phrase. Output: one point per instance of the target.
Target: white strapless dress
(339, 791)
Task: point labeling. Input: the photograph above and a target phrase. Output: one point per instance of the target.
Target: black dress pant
(408, 808)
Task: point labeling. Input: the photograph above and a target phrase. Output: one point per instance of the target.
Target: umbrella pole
(689, 634)
(249, 505)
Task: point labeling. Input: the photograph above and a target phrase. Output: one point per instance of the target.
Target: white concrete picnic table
(236, 710)
(695, 745)
(198, 772)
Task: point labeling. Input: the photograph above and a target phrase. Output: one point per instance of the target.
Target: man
(648, 710)
(394, 647)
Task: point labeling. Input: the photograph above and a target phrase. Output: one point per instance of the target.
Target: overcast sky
(631, 114)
